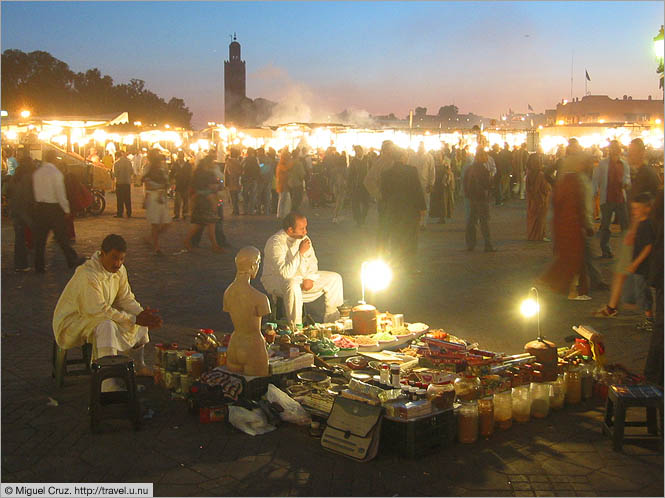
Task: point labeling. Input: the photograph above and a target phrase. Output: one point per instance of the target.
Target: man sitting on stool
(291, 271)
(98, 307)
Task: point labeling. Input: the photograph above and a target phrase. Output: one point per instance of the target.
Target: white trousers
(328, 284)
(423, 220)
(283, 204)
(108, 336)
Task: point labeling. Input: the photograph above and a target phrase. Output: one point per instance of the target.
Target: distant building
(602, 109)
(234, 86)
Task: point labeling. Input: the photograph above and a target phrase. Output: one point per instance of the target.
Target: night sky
(376, 56)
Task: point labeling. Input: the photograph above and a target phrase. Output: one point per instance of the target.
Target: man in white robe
(98, 307)
(291, 271)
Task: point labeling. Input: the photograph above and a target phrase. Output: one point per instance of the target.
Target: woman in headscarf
(156, 185)
(537, 194)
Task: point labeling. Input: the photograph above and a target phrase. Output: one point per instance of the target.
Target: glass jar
(467, 422)
(221, 356)
(421, 394)
(521, 398)
(573, 386)
(182, 362)
(467, 387)
(486, 416)
(169, 381)
(540, 399)
(195, 365)
(185, 383)
(503, 409)
(172, 360)
(557, 393)
(162, 376)
(158, 354)
(384, 374)
(157, 375)
(441, 395)
(177, 386)
(587, 380)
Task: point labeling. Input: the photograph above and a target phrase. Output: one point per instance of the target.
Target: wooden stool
(118, 404)
(619, 398)
(60, 363)
(277, 309)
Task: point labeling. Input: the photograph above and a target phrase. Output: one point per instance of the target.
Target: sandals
(605, 312)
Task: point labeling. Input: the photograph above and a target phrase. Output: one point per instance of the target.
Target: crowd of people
(580, 188)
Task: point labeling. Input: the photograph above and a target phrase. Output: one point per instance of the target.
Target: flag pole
(572, 58)
(585, 83)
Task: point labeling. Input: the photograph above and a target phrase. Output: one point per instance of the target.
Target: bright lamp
(375, 275)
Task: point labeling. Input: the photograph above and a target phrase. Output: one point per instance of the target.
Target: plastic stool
(118, 404)
(619, 398)
(60, 363)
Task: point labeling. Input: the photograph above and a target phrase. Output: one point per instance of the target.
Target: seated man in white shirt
(291, 271)
(97, 306)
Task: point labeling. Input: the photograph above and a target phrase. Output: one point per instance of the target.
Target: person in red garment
(567, 274)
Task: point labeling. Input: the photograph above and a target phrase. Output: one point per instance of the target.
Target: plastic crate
(420, 436)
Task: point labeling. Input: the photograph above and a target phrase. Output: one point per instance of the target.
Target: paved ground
(473, 295)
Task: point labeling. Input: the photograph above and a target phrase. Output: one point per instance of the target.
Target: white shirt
(49, 186)
(284, 262)
(424, 163)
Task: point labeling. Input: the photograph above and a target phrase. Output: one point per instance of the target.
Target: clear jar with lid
(158, 354)
(467, 387)
(195, 365)
(557, 393)
(486, 416)
(540, 399)
(586, 373)
(467, 422)
(177, 387)
(441, 395)
(521, 399)
(185, 383)
(384, 374)
(394, 375)
(169, 381)
(503, 409)
(573, 386)
(421, 394)
(221, 356)
(182, 362)
(172, 360)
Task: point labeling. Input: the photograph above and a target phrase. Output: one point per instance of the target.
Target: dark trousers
(360, 206)
(234, 201)
(402, 242)
(123, 194)
(595, 278)
(51, 217)
(274, 200)
(296, 197)
(498, 180)
(479, 212)
(20, 247)
(606, 211)
(219, 230)
(653, 369)
(181, 199)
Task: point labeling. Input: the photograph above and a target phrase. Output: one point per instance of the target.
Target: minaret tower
(234, 84)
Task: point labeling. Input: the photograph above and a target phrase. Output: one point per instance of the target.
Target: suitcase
(353, 429)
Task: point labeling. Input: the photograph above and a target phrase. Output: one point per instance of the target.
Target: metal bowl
(313, 376)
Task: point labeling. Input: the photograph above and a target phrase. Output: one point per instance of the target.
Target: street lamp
(25, 114)
(544, 351)
(531, 307)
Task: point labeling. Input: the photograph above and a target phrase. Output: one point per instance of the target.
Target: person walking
(476, 190)
(537, 195)
(122, 172)
(297, 179)
(205, 187)
(20, 200)
(647, 179)
(610, 180)
(338, 181)
(401, 189)
(424, 164)
(232, 174)
(359, 195)
(282, 183)
(181, 175)
(250, 179)
(51, 208)
(156, 184)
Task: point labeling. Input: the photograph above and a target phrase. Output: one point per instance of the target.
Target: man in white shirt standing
(51, 207)
(291, 271)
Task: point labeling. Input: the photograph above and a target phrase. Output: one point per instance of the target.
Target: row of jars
(185, 362)
(481, 416)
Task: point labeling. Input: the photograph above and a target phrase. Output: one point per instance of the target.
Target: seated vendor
(291, 271)
(97, 306)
